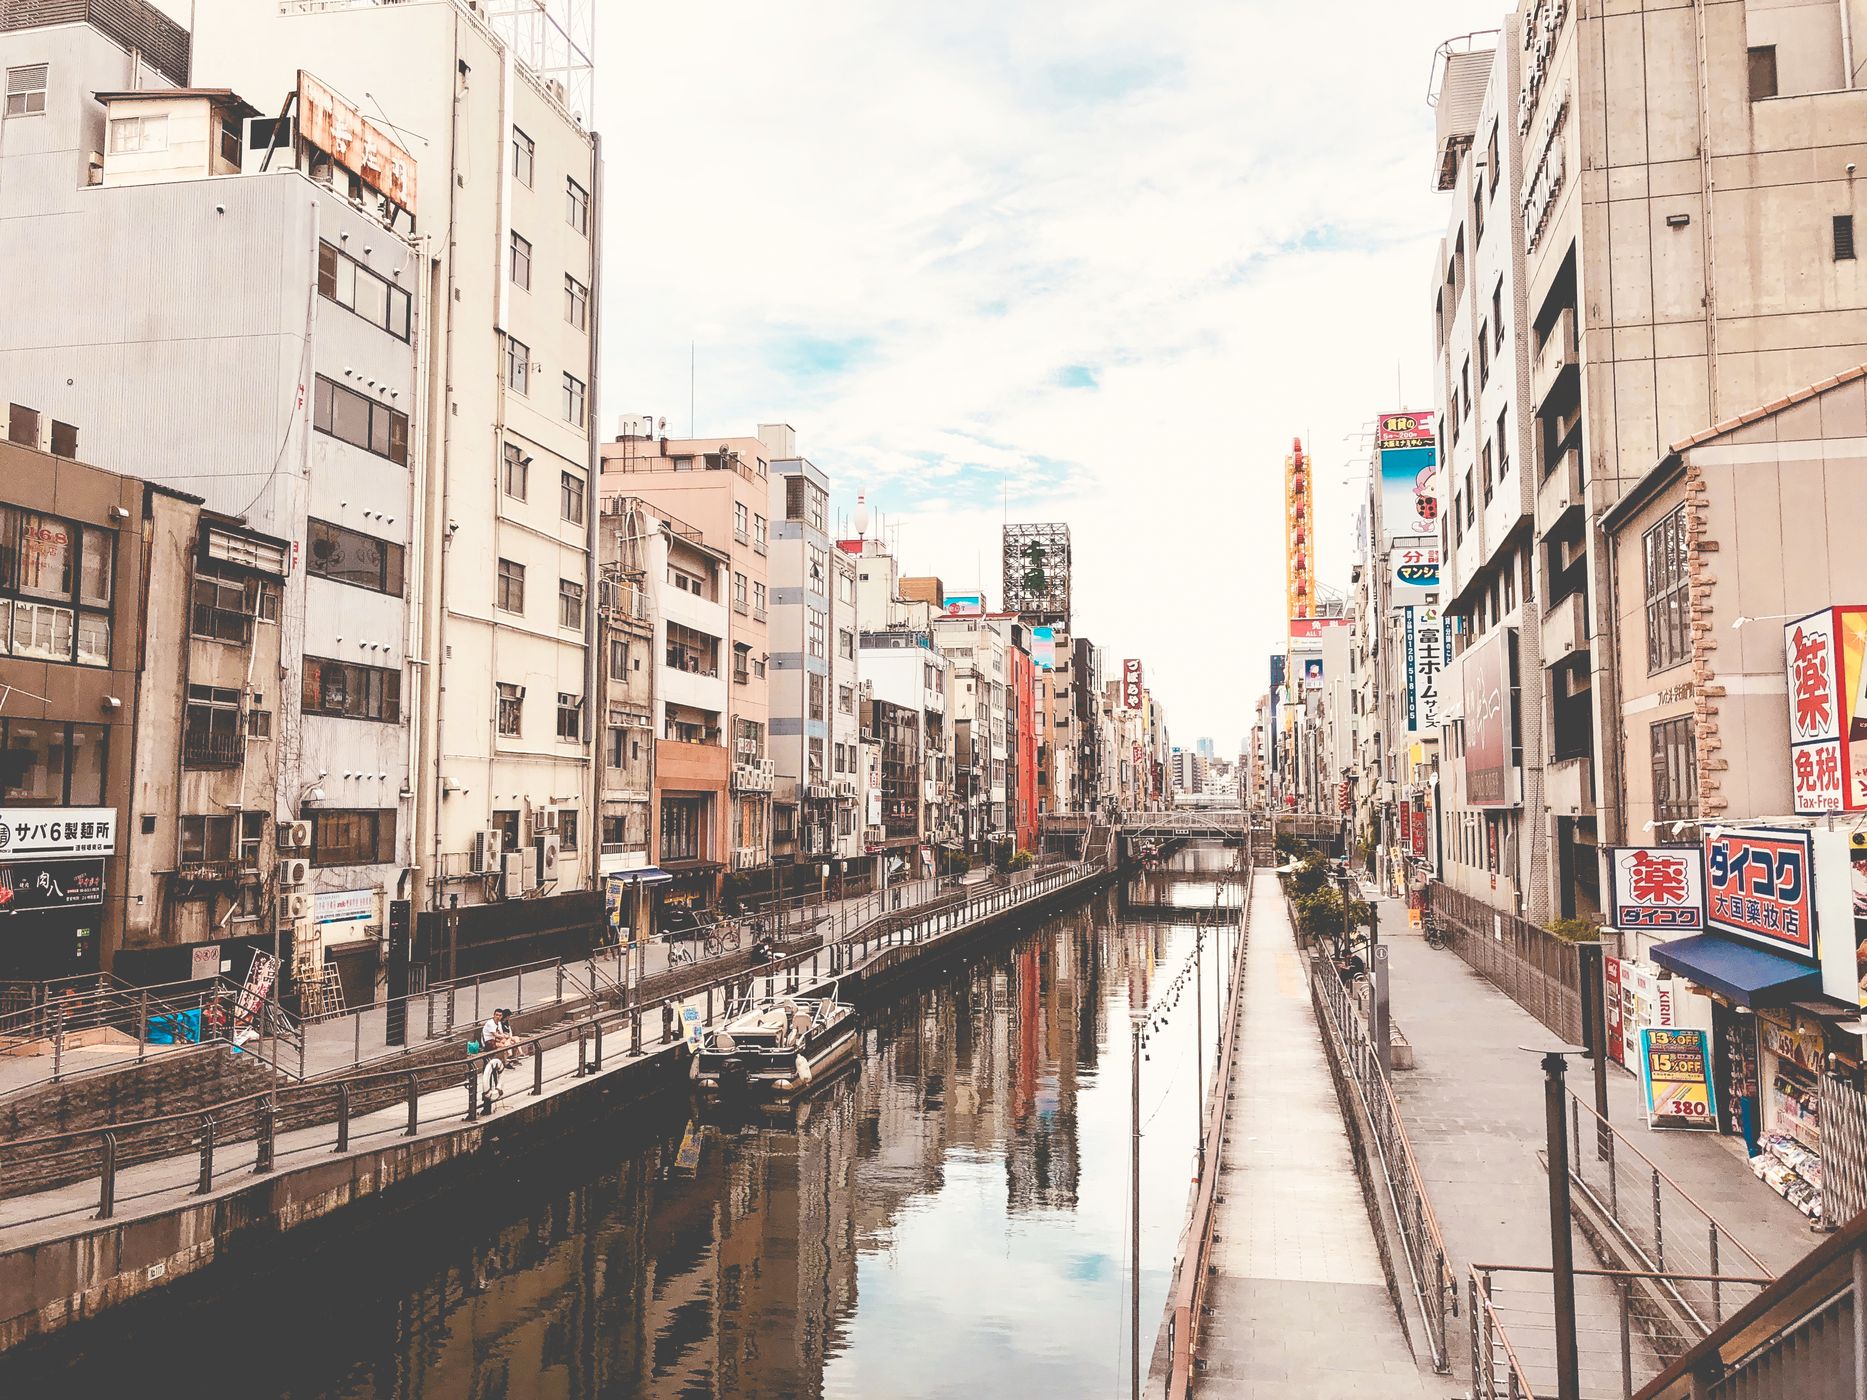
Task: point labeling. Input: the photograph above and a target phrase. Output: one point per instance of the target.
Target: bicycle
(679, 952)
(1437, 934)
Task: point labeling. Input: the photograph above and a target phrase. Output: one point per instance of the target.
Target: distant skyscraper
(1204, 748)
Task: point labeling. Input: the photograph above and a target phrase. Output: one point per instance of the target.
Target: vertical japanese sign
(1424, 640)
(1656, 887)
(1419, 825)
(1299, 534)
(1131, 683)
(1409, 469)
(1675, 1071)
(1758, 885)
(1823, 661)
(1611, 998)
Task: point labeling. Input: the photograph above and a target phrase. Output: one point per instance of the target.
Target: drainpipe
(591, 839)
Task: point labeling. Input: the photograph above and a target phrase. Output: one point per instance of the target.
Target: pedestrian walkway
(1299, 1305)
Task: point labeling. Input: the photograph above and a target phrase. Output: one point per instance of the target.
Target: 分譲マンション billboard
(1490, 722)
(1409, 456)
(1656, 887)
(1825, 661)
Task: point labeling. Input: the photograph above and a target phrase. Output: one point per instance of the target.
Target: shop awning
(1748, 976)
(646, 875)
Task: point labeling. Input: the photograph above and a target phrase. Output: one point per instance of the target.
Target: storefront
(348, 927)
(53, 877)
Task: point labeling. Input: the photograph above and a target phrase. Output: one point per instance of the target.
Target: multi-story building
(722, 488)
(893, 732)
(628, 596)
(500, 287)
(309, 380)
(1021, 736)
(977, 652)
(73, 591)
(1624, 344)
(847, 768)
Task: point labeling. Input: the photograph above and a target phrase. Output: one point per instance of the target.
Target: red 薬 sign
(1657, 887)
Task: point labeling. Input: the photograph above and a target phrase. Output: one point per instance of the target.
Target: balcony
(1568, 788)
(758, 614)
(1556, 358)
(1565, 630)
(213, 750)
(196, 871)
(1561, 492)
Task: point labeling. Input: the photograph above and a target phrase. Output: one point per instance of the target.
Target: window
(514, 469)
(683, 828)
(230, 142)
(758, 600)
(742, 663)
(47, 763)
(577, 206)
(846, 699)
(56, 580)
(1762, 72)
(741, 519)
(574, 396)
(1491, 161)
(1669, 629)
(567, 828)
(521, 261)
(225, 607)
(570, 496)
(570, 708)
(816, 632)
(523, 148)
(819, 569)
(1465, 388)
(1478, 211)
(1675, 770)
(258, 723)
(206, 840)
(846, 644)
(511, 587)
(570, 603)
(129, 135)
(1503, 442)
(1484, 355)
(356, 837)
(1484, 470)
(1844, 238)
(576, 303)
(1497, 315)
(349, 556)
(211, 729)
(344, 280)
(518, 366)
(613, 745)
(360, 421)
(350, 690)
(1471, 499)
(25, 90)
(758, 533)
(618, 656)
(511, 700)
(818, 695)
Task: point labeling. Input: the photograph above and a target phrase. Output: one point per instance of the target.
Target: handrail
(1485, 1323)
(1189, 1284)
(333, 1091)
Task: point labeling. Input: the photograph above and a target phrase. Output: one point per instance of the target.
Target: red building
(1021, 703)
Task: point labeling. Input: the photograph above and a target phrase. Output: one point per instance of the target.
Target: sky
(1097, 263)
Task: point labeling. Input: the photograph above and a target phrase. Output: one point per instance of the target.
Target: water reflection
(949, 1220)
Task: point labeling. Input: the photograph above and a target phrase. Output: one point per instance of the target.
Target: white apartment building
(505, 210)
(978, 689)
(287, 401)
(848, 767)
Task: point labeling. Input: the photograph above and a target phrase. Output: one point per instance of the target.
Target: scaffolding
(1037, 573)
(556, 41)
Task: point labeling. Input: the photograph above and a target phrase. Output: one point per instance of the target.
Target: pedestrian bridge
(1219, 822)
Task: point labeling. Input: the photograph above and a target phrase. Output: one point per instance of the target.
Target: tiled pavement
(1298, 1305)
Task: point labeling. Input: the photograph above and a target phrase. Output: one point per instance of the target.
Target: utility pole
(1136, 1020)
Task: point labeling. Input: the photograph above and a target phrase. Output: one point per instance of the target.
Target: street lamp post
(1561, 1234)
(1136, 1020)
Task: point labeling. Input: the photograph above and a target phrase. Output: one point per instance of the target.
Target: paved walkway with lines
(1299, 1303)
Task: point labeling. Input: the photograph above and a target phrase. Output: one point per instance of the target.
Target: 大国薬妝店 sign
(1825, 666)
(1675, 1071)
(1759, 885)
(1656, 887)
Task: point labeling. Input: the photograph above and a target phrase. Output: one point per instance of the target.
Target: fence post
(262, 1161)
(301, 1052)
(519, 1002)
(635, 1031)
(583, 1053)
(1614, 1181)
(58, 1043)
(1717, 1298)
(473, 1097)
(107, 1184)
(207, 1155)
(1626, 1288)
(142, 1024)
(414, 1105)
(356, 1039)
(343, 1118)
(1659, 1236)
(596, 1058)
(560, 972)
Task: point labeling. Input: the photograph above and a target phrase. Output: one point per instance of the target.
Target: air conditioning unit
(294, 836)
(543, 821)
(294, 870)
(548, 848)
(488, 846)
(766, 770)
(746, 749)
(293, 907)
(519, 870)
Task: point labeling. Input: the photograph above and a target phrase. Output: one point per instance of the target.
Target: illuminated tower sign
(1299, 533)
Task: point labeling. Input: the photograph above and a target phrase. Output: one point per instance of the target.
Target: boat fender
(803, 1070)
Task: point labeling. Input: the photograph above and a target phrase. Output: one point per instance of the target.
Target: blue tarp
(178, 1027)
(1746, 974)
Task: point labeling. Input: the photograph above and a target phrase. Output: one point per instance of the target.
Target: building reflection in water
(751, 1267)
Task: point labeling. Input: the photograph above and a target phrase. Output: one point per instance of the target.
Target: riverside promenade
(136, 1222)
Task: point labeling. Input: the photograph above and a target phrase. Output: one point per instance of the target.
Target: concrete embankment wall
(49, 1282)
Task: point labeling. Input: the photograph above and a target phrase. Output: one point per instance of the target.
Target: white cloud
(896, 226)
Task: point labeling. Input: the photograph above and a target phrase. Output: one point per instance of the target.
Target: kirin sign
(1822, 658)
(1657, 887)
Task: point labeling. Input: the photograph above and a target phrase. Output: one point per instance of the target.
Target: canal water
(949, 1219)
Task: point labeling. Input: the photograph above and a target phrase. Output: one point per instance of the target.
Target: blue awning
(1747, 975)
(646, 875)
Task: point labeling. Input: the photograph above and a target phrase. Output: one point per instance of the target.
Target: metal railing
(1434, 1286)
(1626, 1329)
(1656, 1220)
(1186, 1303)
(1539, 971)
(104, 1152)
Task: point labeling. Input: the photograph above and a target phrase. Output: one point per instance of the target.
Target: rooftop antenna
(691, 358)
